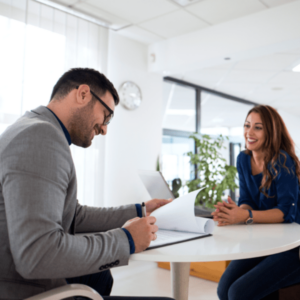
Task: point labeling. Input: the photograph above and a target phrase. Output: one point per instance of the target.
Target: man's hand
(142, 231)
(229, 213)
(154, 204)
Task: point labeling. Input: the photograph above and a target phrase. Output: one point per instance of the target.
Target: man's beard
(81, 126)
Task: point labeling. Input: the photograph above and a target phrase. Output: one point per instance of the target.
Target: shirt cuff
(130, 240)
(289, 213)
(139, 210)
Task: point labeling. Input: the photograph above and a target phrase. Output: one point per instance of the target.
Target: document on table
(177, 222)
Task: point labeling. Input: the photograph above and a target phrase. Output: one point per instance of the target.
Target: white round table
(227, 243)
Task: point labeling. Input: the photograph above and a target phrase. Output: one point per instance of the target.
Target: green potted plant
(213, 174)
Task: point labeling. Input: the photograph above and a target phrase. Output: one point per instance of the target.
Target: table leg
(180, 280)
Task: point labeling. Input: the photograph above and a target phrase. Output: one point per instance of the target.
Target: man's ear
(83, 94)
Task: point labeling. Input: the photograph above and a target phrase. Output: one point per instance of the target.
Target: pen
(144, 210)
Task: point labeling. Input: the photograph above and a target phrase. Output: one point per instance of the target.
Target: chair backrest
(66, 291)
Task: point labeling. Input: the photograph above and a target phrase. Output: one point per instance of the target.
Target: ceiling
(149, 21)
(265, 79)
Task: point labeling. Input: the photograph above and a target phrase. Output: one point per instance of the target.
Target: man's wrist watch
(250, 219)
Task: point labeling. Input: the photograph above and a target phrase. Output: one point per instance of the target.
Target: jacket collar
(44, 111)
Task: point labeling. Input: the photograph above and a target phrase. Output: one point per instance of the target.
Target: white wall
(134, 137)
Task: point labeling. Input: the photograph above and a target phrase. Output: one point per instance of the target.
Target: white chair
(66, 291)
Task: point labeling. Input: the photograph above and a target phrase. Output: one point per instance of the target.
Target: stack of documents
(177, 222)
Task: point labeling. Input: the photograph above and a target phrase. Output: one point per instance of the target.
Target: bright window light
(297, 68)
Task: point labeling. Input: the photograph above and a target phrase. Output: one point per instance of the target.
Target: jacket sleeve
(98, 219)
(36, 168)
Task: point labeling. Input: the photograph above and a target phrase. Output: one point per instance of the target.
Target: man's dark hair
(97, 82)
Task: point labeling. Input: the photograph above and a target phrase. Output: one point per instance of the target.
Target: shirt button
(293, 204)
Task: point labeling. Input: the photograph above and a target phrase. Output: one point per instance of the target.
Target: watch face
(130, 95)
(249, 221)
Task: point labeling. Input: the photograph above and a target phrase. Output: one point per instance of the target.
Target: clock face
(130, 95)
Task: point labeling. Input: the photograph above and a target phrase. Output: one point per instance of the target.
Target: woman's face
(254, 132)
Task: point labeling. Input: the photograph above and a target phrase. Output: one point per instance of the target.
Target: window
(39, 44)
(179, 107)
(174, 161)
(190, 108)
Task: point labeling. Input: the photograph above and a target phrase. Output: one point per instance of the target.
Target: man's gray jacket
(39, 213)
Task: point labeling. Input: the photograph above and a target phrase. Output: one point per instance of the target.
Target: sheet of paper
(165, 237)
(179, 215)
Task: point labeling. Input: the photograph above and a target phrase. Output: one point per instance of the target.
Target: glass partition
(220, 115)
(179, 107)
(223, 116)
(174, 161)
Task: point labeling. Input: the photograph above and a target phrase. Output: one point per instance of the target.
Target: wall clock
(130, 95)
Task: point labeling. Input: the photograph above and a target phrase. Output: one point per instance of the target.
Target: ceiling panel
(174, 24)
(272, 3)
(286, 79)
(140, 34)
(267, 98)
(135, 11)
(275, 62)
(268, 94)
(237, 89)
(288, 101)
(226, 65)
(249, 76)
(217, 11)
(212, 75)
(115, 21)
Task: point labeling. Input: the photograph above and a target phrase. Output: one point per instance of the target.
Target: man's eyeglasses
(107, 119)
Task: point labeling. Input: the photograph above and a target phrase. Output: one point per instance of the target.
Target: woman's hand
(229, 213)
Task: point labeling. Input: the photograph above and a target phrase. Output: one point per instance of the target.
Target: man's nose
(103, 130)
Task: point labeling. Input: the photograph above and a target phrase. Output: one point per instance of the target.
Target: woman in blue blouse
(269, 174)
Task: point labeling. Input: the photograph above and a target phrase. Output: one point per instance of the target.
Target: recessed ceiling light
(296, 68)
(227, 58)
(277, 88)
(185, 2)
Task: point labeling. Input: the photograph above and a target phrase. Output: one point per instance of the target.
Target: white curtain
(37, 45)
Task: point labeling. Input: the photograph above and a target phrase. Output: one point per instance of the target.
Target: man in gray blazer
(39, 213)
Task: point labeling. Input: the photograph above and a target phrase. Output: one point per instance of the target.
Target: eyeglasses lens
(108, 119)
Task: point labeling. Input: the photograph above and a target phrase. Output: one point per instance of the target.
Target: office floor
(146, 279)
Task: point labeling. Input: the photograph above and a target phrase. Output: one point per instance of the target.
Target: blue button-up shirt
(284, 191)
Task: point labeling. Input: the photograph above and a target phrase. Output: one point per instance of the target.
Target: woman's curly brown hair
(277, 138)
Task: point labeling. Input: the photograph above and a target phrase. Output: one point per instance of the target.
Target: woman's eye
(246, 126)
(258, 128)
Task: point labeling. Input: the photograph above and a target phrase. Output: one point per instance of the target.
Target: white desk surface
(229, 243)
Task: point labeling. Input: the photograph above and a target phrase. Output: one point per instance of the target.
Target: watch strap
(250, 219)
(250, 214)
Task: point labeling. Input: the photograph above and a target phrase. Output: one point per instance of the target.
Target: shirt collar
(66, 132)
